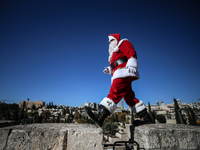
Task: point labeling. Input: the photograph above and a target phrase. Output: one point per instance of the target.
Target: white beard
(112, 45)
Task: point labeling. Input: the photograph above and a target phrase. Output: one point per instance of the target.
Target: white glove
(107, 70)
(131, 69)
(132, 62)
(132, 65)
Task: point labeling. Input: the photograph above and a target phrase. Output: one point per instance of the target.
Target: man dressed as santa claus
(124, 70)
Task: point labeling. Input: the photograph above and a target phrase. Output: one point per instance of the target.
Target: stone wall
(51, 137)
(29, 104)
(166, 136)
(64, 136)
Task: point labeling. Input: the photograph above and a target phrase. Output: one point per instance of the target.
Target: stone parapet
(51, 137)
(166, 136)
(62, 136)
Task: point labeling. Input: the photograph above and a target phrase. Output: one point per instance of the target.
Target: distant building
(178, 101)
(82, 106)
(61, 106)
(157, 103)
(95, 105)
(118, 109)
(87, 104)
(121, 104)
(29, 104)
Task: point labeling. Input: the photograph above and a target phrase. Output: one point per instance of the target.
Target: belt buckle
(112, 66)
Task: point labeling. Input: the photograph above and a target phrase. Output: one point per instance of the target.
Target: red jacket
(125, 49)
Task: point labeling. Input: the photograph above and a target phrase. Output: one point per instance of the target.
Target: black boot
(100, 117)
(145, 118)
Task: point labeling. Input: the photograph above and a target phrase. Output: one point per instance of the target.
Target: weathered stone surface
(51, 137)
(3, 138)
(89, 137)
(167, 136)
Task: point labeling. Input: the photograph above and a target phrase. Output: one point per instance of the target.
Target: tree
(110, 126)
(122, 117)
(68, 119)
(64, 111)
(127, 120)
(8, 115)
(38, 119)
(15, 115)
(46, 114)
(58, 119)
(191, 117)
(150, 112)
(176, 108)
(33, 107)
(67, 110)
(76, 115)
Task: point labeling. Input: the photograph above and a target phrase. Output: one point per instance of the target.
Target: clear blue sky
(57, 50)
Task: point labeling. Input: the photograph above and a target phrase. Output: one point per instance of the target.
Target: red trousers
(121, 88)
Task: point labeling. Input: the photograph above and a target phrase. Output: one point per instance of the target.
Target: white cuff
(109, 104)
(132, 62)
(138, 107)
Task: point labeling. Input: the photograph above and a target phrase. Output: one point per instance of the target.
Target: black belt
(118, 62)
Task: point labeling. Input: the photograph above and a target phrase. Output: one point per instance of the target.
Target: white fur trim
(132, 62)
(120, 42)
(109, 104)
(116, 49)
(124, 72)
(138, 107)
(111, 38)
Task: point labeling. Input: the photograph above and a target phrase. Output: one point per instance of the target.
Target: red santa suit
(124, 69)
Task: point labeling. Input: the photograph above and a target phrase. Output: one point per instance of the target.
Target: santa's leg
(107, 106)
(141, 111)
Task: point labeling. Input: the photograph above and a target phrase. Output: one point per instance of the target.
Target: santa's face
(112, 45)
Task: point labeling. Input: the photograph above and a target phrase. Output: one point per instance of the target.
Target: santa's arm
(130, 53)
(127, 48)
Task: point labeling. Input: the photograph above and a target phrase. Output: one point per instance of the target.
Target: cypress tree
(58, 119)
(8, 115)
(15, 115)
(193, 117)
(176, 108)
(149, 108)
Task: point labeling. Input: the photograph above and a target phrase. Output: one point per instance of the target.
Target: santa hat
(115, 36)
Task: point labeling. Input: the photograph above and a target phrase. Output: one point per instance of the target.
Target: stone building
(29, 104)
(87, 104)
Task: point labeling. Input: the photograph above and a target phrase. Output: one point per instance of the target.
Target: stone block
(51, 137)
(166, 136)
